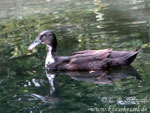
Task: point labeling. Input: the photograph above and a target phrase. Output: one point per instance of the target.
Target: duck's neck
(50, 56)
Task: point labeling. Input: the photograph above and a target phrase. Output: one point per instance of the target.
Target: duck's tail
(131, 58)
(138, 49)
(133, 55)
(124, 58)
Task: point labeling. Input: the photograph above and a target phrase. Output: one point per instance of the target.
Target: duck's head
(45, 37)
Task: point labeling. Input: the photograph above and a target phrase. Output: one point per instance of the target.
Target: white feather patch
(51, 78)
(49, 58)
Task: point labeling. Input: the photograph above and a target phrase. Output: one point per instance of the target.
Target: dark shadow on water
(102, 76)
(96, 77)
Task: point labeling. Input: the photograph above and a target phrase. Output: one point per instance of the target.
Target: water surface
(79, 25)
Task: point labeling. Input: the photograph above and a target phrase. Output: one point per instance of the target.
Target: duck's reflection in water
(105, 77)
(52, 96)
(97, 77)
(51, 79)
(102, 77)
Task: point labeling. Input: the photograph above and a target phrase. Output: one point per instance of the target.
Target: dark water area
(25, 87)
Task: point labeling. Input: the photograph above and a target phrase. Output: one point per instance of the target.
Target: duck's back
(97, 59)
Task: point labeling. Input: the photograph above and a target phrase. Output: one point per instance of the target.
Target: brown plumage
(82, 60)
(96, 59)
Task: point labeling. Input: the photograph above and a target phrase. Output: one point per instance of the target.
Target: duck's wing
(99, 55)
(96, 59)
(89, 55)
(89, 52)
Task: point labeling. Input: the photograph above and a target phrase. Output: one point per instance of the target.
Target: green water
(79, 25)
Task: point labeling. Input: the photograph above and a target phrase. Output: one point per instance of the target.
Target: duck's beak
(35, 43)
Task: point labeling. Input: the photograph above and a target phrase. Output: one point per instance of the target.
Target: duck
(86, 60)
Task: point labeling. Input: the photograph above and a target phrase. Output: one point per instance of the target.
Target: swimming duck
(81, 60)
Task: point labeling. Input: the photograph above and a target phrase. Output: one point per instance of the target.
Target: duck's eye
(49, 34)
(42, 37)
